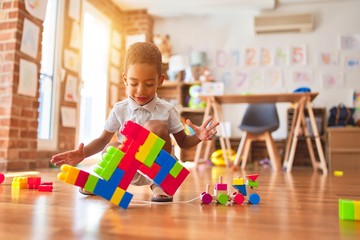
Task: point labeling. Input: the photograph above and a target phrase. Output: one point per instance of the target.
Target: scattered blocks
(33, 182)
(140, 151)
(20, 183)
(45, 187)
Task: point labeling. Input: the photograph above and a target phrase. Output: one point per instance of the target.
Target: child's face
(142, 81)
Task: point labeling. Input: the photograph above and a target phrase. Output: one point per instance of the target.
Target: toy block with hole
(238, 181)
(110, 160)
(252, 183)
(33, 182)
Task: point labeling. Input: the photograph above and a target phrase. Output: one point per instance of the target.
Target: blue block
(104, 189)
(162, 157)
(116, 177)
(125, 201)
(241, 189)
(164, 170)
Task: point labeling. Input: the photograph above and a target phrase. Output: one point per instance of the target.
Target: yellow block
(238, 181)
(19, 182)
(69, 174)
(117, 196)
(356, 210)
(338, 173)
(145, 148)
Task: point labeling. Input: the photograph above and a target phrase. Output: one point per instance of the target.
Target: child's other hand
(204, 132)
(72, 157)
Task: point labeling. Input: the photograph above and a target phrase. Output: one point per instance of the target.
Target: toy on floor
(141, 151)
(31, 183)
(2, 178)
(221, 192)
(349, 209)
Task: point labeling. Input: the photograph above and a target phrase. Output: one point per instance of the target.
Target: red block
(130, 147)
(253, 177)
(171, 184)
(150, 172)
(81, 179)
(33, 182)
(126, 162)
(129, 174)
(45, 188)
(134, 131)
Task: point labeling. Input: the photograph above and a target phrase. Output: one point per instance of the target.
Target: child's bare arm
(75, 156)
(202, 133)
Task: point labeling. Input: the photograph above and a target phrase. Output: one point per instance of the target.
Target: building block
(2, 178)
(91, 183)
(175, 170)
(241, 189)
(103, 189)
(254, 198)
(154, 152)
(238, 181)
(171, 184)
(33, 182)
(125, 201)
(150, 172)
(252, 177)
(165, 168)
(220, 186)
(356, 210)
(47, 187)
(81, 179)
(108, 164)
(69, 174)
(116, 175)
(252, 183)
(117, 196)
(346, 209)
(19, 182)
(134, 131)
(145, 148)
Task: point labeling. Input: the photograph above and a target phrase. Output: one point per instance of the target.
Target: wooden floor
(301, 205)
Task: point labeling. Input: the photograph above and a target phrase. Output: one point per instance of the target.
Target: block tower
(141, 151)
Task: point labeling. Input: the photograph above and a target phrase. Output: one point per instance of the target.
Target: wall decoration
(352, 62)
(71, 60)
(266, 56)
(68, 116)
(28, 78)
(273, 78)
(74, 10)
(116, 39)
(36, 8)
(332, 80)
(281, 56)
(115, 57)
(71, 89)
(131, 39)
(328, 59)
(298, 55)
(302, 77)
(251, 57)
(256, 79)
(75, 36)
(30, 39)
(350, 42)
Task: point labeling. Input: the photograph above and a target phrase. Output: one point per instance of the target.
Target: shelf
(191, 110)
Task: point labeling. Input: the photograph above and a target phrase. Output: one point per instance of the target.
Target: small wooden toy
(221, 192)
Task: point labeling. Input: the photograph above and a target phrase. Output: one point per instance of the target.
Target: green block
(91, 183)
(252, 183)
(108, 164)
(346, 209)
(154, 152)
(176, 169)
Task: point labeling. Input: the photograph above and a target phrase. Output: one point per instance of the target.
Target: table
(301, 102)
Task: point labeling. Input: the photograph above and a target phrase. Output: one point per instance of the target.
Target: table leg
(291, 134)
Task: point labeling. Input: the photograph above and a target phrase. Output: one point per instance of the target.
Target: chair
(259, 121)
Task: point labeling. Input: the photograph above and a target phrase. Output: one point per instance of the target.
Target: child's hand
(72, 157)
(204, 132)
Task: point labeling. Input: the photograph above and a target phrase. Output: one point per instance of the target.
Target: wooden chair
(259, 121)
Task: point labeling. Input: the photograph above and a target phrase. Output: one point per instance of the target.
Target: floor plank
(301, 205)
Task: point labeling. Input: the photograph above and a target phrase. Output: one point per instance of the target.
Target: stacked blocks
(141, 151)
(349, 209)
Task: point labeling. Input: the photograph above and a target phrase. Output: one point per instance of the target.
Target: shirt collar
(150, 106)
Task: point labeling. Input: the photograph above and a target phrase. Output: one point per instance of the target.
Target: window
(49, 79)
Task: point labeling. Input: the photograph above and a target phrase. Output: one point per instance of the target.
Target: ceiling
(173, 8)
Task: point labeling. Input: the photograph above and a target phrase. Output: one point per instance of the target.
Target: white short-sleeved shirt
(156, 109)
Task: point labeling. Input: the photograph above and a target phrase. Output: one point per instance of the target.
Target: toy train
(221, 192)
